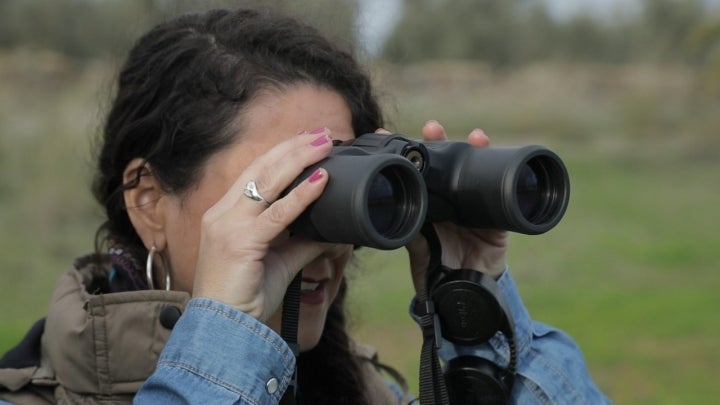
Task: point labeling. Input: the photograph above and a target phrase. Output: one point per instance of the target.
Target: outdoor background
(627, 93)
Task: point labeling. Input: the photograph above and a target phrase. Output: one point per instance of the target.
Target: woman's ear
(144, 203)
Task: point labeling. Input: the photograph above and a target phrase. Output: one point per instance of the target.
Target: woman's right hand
(246, 258)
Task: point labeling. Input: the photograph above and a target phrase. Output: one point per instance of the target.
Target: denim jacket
(217, 352)
(211, 340)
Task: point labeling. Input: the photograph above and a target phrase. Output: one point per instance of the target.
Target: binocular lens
(538, 196)
(382, 204)
(388, 203)
(528, 192)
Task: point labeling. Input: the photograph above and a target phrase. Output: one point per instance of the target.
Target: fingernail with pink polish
(317, 175)
(319, 130)
(321, 140)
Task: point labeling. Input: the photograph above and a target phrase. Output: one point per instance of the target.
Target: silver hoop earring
(149, 271)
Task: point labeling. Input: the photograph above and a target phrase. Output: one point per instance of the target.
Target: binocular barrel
(383, 188)
(524, 189)
(375, 200)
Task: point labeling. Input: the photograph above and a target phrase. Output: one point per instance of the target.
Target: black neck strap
(289, 331)
(432, 383)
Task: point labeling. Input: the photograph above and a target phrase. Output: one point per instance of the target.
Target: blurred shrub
(508, 33)
(91, 28)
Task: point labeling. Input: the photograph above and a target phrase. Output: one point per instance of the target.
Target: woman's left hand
(483, 250)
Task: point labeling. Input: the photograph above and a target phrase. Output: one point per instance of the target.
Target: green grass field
(632, 272)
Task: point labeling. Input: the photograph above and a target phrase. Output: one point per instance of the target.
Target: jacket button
(169, 316)
(272, 385)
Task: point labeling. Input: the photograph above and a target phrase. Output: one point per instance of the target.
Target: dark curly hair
(182, 86)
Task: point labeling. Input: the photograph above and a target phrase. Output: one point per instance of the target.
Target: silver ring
(252, 193)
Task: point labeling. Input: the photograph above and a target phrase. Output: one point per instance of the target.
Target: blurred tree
(703, 43)
(506, 33)
(585, 39)
(90, 28)
(74, 27)
(665, 26)
(492, 30)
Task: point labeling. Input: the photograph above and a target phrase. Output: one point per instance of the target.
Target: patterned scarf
(127, 273)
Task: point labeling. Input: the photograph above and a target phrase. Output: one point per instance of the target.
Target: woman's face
(270, 119)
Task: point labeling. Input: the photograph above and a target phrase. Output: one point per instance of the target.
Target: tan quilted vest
(99, 349)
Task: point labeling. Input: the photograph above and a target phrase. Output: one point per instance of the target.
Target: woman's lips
(312, 292)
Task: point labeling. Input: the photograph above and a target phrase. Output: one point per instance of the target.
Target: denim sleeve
(550, 366)
(217, 352)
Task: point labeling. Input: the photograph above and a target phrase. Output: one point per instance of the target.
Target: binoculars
(383, 188)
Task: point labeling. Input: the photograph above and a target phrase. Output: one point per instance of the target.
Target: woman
(215, 115)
